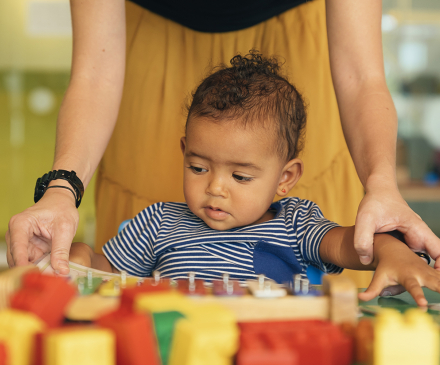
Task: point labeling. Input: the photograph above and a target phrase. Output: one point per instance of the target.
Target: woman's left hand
(382, 210)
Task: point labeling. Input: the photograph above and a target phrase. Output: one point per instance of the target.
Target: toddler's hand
(399, 265)
(82, 254)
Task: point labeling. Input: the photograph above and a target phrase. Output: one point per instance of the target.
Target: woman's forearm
(369, 123)
(90, 107)
(367, 112)
(85, 124)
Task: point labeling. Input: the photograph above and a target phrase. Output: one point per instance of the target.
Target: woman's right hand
(47, 226)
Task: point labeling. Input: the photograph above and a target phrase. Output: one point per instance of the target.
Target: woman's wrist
(381, 181)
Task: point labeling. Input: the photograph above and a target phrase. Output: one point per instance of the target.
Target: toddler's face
(231, 173)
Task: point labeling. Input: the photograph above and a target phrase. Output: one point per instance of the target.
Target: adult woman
(165, 59)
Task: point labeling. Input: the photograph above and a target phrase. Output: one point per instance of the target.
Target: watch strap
(70, 176)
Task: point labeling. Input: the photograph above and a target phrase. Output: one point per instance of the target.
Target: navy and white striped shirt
(168, 237)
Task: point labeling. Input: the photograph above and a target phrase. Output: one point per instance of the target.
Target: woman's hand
(47, 226)
(382, 210)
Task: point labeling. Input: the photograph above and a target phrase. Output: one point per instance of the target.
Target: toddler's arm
(83, 254)
(393, 261)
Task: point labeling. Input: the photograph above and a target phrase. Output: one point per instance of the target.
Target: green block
(164, 326)
(83, 287)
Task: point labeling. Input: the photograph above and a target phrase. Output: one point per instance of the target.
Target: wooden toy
(191, 286)
(265, 288)
(405, 339)
(17, 330)
(343, 296)
(88, 285)
(135, 340)
(227, 287)
(45, 296)
(10, 281)
(114, 286)
(79, 345)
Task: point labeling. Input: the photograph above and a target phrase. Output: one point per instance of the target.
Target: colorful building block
(45, 296)
(364, 337)
(79, 345)
(135, 339)
(408, 339)
(208, 335)
(3, 354)
(163, 301)
(10, 281)
(164, 323)
(310, 342)
(17, 331)
(198, 343)
(130, 295)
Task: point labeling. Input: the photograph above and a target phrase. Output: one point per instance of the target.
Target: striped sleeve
(132, 249)
(313, 228)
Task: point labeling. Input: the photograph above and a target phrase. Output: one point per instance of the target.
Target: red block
(265, 350)
(135, 337)
(3, 354)
(128, 295)
(309, 343)
(45, 296)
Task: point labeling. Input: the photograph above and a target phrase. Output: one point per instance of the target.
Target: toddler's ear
(183, 144)
(290, 175)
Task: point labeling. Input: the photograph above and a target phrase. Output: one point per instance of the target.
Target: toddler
(244, 131)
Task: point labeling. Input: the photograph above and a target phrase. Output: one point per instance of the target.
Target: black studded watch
(70, 176)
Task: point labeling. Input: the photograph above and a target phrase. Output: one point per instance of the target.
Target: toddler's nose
(217, 187)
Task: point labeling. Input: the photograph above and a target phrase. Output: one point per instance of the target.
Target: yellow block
(17, 330)
(175, 301)
(412, 338)
(88, 346)
(198, 343)
(163, 302)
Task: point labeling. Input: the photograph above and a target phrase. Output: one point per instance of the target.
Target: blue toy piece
(123, 224)
(315, 275)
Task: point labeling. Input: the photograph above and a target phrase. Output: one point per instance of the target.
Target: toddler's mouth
(215, 213)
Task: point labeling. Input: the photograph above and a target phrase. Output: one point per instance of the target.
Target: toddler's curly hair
(252, 90)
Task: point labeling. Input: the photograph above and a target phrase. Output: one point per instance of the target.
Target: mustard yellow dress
(166, 61)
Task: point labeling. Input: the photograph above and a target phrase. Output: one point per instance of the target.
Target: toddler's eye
(197, 170)
(242, 178)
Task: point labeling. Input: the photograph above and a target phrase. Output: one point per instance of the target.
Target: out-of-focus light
(431, 122)
(413, 56)
(41, 101)
(389, 23)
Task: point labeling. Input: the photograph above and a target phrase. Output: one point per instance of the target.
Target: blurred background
(35, 57)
